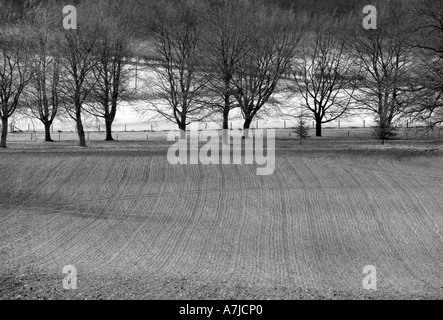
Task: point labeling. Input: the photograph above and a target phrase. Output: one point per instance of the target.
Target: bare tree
(15, 70)
(325, 85)
(178, 35)
(429, 43)
(226, 40)
(385, 58)
(111, 72)
(271, 47)
(78, 52)
(42, 95)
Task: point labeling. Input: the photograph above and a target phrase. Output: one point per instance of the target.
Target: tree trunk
(226, 108)
(109, 131)
(4, 132)
(225, 124)
(81, 133)
(246, 127)
(182, 127)
(384, 129)
(318, 128)
(48, 132)
(226, 120)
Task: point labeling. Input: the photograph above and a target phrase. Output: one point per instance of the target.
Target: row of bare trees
(239, 54)
(47, 71)
(401, 62)
(393, 71)
(218, 55)
(212, 56)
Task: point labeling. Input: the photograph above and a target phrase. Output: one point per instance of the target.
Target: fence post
(284, 124)
(339, 124)
(231, 125)
(364, 123)
(125, 127)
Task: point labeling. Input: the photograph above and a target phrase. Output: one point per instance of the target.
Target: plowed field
(135, 226)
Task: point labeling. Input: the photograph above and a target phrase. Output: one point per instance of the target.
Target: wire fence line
(404, 133)
(153, 126)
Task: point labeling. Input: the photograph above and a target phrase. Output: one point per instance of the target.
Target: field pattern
(135, 226)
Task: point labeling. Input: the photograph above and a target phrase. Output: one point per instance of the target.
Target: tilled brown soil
(136, 227)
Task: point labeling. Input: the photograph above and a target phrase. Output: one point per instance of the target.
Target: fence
(342, 133)
(151, 126)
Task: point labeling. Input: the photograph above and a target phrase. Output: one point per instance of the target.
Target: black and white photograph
(233, 151)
